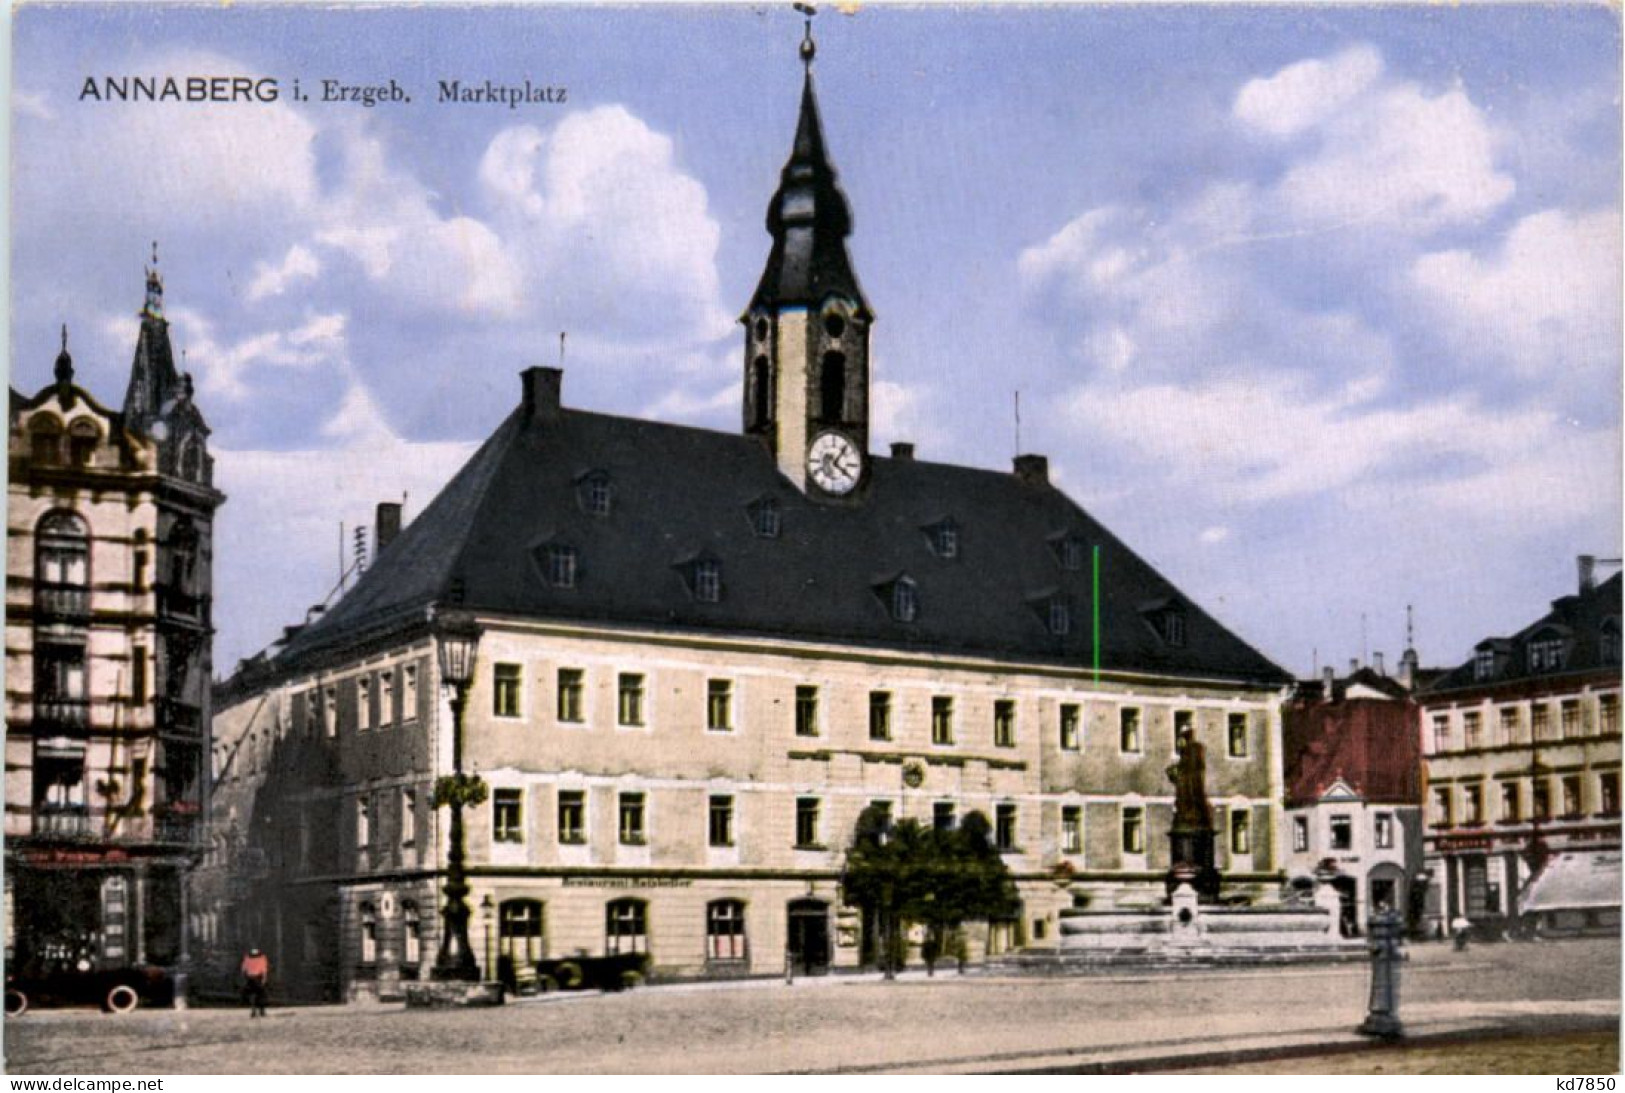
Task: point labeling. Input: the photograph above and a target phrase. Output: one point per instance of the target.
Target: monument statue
(1191, 838)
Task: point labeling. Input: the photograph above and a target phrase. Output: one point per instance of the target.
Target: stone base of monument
(1188, 932)
(443, 995)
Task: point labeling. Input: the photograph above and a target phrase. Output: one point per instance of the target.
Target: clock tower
(807, 328)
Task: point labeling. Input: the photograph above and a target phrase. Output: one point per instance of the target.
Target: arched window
(832, 387)
(761, 393)
(62, 566)
(520, 930)
(83, 437)
(626, 926)
(192, 461)
(45, 441)
(183, 544)
(725, 930)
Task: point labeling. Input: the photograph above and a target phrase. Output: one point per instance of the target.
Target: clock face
(834, 463)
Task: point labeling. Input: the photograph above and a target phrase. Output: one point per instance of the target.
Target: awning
(1575, 880)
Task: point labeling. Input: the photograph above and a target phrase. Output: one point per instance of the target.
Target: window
(1509, 725)
(1059, 617)
(1546, 655)
(1609, 643)
(1004, 723)
(1241, 832)
(942, 720)
(1236, 725)
(330, 711)
(572, 816)
(1071, 551)
(1540, 804)
(1342, 829)
(1569, 718)
(1128, 734)
(1472, 804)
(46, 437)
(942, 815)
(507, 816)
(631, 819)
(832, 387)
(138, 575)
(721, 823)
(1004, 827)
(62, 566)
(505, 693)
(1170, 626)
(629, 709)
(879, 715)
(520, 930)
(363, 823)
(806, 711)
(409, 817)
(369, 934)
(943, 538)
(708, 580)
(1571, 795)
(1471, 722)
(1069, 726)
(595, 494)
(1184, 721)
(626, 927)
(1300, 833)
(1608, 713)
(1540, 721)
(560, 564)
(571, 686)
(1510, 812)
(386, 697)
(905, 600)
(1608, 793)
(1382, 830)
(1071, 829)
(725, 930)
(807, 822)
(83, 437)
(765, 518)
(1441, 806)
(409, 692)
(412, 935)
(882, 811)
(1134, 830)
(138, 675)
(719, 705)
(1484, 664)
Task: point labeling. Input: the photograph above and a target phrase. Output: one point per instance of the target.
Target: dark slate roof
(1578, 619)
(680, 493)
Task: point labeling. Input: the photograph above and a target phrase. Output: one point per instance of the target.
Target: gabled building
(108, 591)
(1521, 751)
(703, 654)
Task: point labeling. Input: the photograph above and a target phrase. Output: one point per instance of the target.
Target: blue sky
(1318, 308)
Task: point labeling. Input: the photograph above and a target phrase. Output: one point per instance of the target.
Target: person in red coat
(256, 974)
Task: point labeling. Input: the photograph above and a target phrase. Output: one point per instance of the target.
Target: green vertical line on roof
(1095, 608)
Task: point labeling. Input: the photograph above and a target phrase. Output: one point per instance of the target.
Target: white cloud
(225, 366)
(1547, 300)
(31, 104)
(1306, 93)
(1213, 534)
(299, 264)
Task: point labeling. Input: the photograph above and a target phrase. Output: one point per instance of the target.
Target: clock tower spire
(807, 329)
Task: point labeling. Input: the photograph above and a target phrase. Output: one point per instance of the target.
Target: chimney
(1328, 681)
(902, 451)
(386, 524)
(1408, 663)
(1588, 573)
(1033, 469)
(541, 387)
(1354, 665)
(1376, 662)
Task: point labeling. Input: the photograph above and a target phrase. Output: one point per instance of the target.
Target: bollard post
(789, 967)
(1382, 1016)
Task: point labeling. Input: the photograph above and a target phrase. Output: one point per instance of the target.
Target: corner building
(704, 654)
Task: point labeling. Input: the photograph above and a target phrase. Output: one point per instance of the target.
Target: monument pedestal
(1191, 850)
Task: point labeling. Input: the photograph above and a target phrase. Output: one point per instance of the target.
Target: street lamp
(488, 910)
(458, 642)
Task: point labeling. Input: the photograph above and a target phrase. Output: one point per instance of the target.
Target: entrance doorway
(1348, 895)
(808, 936)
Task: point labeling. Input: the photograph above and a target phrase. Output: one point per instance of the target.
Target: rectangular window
(1134, 830)
(1441, 806)
(807, 823)
(330, 711)
(571, 688)
(1509, 725)
(1540, 721)
(1608, 793)
(1382, 830)
(721, 825)
(806, 711)
(1510, 812)
(942, 815)
(1569, 714)
(629, 708)
(1071, 829)
(1300, 833)
(1241, 832)
(725, 930)
(363, 704)
(631, 819)
(505, 692)
(1004, 723)
(1540, 799)
(879, 715)
(561, 565)
(1608, 713)
(626, 921)
(409, 817)
(1069, 727)
(1471, 722)
(1184, 721)
(1004, 827)
(507, 816)
(138, 675)
(572, 816)
(1571, 795)
(942, 720)
(1441, 732)
(1236, 734)
(882, 811)
(386, 697)
(1472, 804)
(719, 705)
(1342, 829)
(1128, 731)
(363, 823)
(409, 692)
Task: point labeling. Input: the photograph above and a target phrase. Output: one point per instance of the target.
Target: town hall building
(701, 656)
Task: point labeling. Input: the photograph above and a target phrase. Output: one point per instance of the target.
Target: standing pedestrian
(256, 975)
(1459, 928)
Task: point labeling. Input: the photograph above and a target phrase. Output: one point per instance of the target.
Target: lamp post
(488, 911)
(458, 643)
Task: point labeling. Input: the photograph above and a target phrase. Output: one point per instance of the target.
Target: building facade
(703, 655)
(1353, 798)
(1521, 751)
(109, 540)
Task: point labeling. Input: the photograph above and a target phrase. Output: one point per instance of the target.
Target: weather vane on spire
(808, 46)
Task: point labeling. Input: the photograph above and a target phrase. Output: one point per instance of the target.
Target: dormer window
(1070, 551)
(1484, 664)
(1610, 641)
(703, 575)
(901, 597)
(1546, 653)
(559, 564)
(45, 441)
(1167, 618)
(943, 537)
(765, 518)
(596, 493)
(83, 437)
(1060, 617)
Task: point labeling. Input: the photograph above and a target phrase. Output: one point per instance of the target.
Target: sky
(1318, 308)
